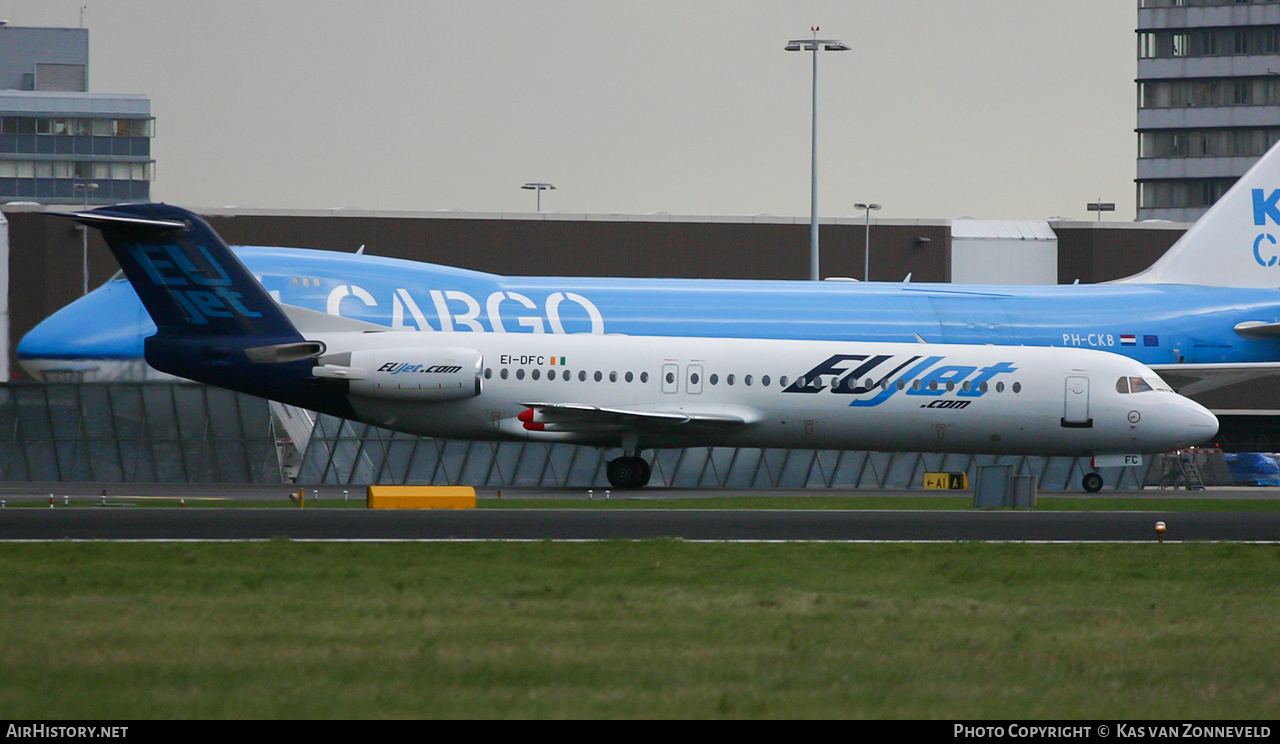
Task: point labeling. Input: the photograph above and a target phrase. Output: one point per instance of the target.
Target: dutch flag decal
(1128, 339)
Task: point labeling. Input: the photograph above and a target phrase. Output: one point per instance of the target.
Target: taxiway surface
(80, 512)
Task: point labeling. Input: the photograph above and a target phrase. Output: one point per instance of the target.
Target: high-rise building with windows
(1208, 99)
(59, 143)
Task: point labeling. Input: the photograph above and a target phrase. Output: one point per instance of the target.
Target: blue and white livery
(217, 325)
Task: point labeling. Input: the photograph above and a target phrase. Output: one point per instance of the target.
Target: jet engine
(430, 373)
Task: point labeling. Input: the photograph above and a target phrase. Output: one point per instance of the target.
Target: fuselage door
(1075, 409)
(972, 320)
(694, 383)
(670, 378)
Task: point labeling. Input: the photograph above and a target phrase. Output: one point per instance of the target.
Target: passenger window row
(748, 380)
(566, 375)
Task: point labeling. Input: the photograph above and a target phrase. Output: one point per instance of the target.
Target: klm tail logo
(202, 292)
(1265, 207)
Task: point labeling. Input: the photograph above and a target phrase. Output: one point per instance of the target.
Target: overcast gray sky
(996, 109)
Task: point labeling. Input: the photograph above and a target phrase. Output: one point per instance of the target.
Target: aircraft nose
(1197, 422)
(107, 323)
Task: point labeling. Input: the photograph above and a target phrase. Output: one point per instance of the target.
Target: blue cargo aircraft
(1206, 314)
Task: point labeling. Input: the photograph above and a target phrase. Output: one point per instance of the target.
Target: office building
(59, 143)
(1208, 99)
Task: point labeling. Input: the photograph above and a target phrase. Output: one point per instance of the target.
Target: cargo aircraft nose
(109, 323)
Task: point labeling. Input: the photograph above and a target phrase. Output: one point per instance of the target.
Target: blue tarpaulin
(1254, 469)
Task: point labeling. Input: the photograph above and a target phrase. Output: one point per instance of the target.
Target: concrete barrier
(422, 497)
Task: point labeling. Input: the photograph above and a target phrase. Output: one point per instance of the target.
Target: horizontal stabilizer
(102, 220)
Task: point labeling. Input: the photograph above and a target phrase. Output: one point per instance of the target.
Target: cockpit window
(1141, 385)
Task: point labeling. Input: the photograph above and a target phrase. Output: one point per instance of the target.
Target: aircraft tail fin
(188, 279)
(216, 324)
(1236, 243)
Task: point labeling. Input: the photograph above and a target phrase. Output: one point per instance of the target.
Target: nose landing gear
(1091, 482)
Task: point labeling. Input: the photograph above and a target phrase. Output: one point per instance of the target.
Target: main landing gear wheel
(1092, 482)
(628, 472)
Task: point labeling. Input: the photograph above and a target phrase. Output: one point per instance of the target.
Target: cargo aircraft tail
(1237, 241)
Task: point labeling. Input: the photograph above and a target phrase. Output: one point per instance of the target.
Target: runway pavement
(85, 520)
(22, 492)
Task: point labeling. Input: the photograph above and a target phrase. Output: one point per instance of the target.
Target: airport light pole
(866, 240)
(813, 45)
(84, 237)
(539, 188)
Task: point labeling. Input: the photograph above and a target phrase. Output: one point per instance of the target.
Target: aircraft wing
(577, 417)
(1189, 379)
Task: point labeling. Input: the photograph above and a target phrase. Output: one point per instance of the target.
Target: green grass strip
(653, 629)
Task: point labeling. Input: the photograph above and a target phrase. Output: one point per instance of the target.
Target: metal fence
(135, 432)
(188, 433)
(345, 453)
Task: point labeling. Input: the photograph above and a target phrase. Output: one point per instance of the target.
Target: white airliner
(217, 325)
(649, 392)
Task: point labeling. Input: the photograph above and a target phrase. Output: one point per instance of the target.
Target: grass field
(651, 629)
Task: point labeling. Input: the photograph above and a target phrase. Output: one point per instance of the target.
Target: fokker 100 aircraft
(218, 325)
(1205, 315)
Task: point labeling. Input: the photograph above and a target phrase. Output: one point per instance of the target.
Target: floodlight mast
(87, 188)
(539, 188)
(866, 239)
(813, 45)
